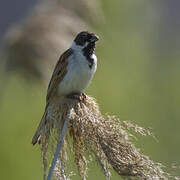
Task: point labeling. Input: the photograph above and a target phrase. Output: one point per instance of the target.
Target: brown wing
(58, 74)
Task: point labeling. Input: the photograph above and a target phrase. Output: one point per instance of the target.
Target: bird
(72, 74)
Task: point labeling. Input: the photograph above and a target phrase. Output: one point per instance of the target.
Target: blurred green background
(137, 79)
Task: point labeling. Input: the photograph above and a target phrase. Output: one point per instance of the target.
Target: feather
(58, 74)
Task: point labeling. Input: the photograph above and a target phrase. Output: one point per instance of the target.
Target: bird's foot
(83, 95)
(76, 96)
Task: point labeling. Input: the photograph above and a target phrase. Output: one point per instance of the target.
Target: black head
(86, 41)
(84, 38)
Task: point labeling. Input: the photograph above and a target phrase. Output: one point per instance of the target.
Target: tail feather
(37, 135)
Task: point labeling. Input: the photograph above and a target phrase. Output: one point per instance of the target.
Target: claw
(83, 96)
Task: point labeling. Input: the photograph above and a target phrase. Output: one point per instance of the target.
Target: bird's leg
(76, 96)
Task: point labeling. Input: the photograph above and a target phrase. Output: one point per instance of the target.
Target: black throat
(88, 52)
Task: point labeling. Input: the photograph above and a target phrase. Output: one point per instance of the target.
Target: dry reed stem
(106, 138)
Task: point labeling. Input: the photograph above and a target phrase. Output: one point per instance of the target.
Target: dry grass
(106, 138)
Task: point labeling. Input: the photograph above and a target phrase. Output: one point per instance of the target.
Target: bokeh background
(137, 77)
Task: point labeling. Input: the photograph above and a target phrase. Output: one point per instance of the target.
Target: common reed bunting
(72, 74)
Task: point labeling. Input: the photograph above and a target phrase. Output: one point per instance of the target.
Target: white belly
(78, 76)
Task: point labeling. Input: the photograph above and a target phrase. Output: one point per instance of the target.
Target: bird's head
(85, 41)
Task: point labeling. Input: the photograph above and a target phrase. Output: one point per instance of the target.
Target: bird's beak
(94, 38)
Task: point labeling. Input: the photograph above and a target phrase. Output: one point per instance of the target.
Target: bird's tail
(37, 136)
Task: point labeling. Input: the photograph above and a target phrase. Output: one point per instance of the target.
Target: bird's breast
(79, 74)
